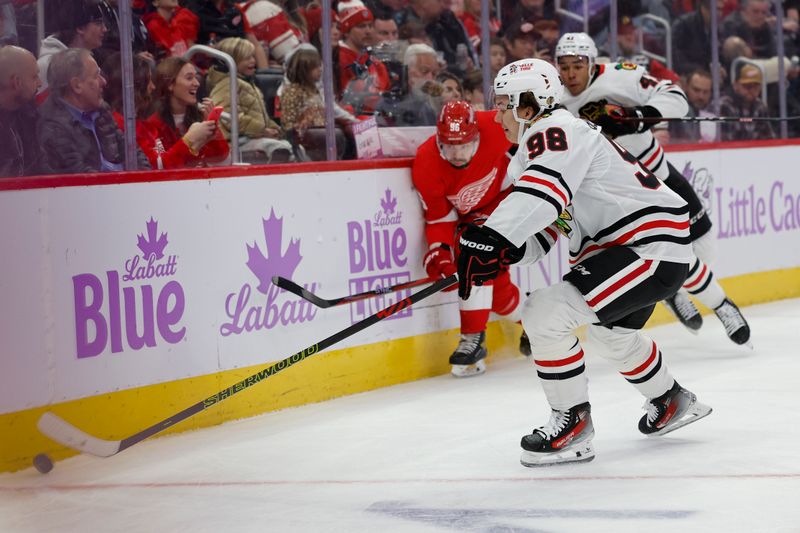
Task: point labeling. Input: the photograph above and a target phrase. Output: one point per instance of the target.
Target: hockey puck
(42, 463)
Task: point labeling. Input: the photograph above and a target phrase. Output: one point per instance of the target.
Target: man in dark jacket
(691, 39)
(76, 129)
(20, 154)
(751, 23)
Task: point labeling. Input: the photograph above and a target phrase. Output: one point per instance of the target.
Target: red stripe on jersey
(699, 278)
(561, 362)
(625, 237)
(653, 157)
(644, 365)
(614, 287)
(551, 232)
(552, 187)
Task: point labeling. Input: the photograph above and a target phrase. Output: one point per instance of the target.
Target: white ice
(443, 455)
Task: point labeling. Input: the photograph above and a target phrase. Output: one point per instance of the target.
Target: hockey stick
(65, 433)
(305, 294)
(707, 119)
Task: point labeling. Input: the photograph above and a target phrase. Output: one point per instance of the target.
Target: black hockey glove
(617, 121)
(482, 254)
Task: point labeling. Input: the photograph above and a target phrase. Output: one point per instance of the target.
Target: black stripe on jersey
(541, 194)
(553, 174)
(662, 238)
(629, 219)
(650, 374)
(703, 286)
(563, 375)
(652, 145)
(694, 268)
(679, 93)
(660, 162)
(542, 242)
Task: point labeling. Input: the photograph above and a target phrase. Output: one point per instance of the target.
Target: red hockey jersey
(451, 194)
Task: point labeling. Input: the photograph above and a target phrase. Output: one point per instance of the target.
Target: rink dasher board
(201, 312)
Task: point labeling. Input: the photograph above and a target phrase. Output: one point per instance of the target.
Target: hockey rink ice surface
(443, 455)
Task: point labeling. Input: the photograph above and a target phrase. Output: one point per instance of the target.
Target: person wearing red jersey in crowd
(460, 174)
(172, 28)
(178, 141)
(362, 77)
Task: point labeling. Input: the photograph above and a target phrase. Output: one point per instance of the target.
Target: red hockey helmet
(457, 123)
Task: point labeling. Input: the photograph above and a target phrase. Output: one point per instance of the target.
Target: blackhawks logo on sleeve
(625, 65)
(563, 223)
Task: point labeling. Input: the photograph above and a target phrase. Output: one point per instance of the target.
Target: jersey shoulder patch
(626, 65)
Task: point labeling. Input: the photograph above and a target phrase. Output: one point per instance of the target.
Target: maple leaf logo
(150, 245)
(388, 203)
(274, 263)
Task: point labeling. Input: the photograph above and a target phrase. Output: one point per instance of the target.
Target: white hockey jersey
(597, 193)
(628, 85)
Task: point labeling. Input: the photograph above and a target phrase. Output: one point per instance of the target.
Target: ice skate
(672, 410)
(735, 325)
(567, 438)
(684, 310)
(468, 359)
(524, 344)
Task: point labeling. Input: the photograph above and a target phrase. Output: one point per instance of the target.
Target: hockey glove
(438, 263)
(482, 254)
(617, 121)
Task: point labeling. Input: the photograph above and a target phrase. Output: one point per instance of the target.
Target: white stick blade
(65, 433)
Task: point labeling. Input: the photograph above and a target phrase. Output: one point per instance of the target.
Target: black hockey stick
(707, 119)
(306, 294)
(65, 433)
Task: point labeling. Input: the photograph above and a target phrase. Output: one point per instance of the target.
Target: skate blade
(581, 453)
(695, 412)
(466, 371)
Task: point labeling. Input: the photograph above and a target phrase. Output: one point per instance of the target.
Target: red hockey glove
(438, 263)
(482, 254)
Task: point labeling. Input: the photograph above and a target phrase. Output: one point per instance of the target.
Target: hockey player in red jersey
(460, 175)
(608, 92)
(629, 238)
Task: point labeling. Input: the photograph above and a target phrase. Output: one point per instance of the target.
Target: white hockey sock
(702, 284)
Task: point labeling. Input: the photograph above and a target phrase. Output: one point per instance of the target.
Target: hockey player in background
(460, 175)
(609, 92)
(629, 243)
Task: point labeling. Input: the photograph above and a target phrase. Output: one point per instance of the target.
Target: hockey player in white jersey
(629, 247)
(605, 93)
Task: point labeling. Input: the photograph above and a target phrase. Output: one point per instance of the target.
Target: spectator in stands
(628, 45)
(176, 111)
(20, 152)
(172, 28)
(362, 77)
(413, 32)
(385, 9)
(745, 101)
(141, 43)
(698, 92)
(452, 89)
(498, 58)
(473, 90)
(85, 28)
(260, 137)
(521, 40)
(445, 31)
(8, 23)
(76, 129)
(220, 19)
(751, 23)
(414, 106)
(691, 38)
(530, 11)
(385, 31)
(550, 33)
(471, 19)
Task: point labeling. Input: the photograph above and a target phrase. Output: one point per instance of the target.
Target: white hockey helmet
(577, 44)
(534, 76)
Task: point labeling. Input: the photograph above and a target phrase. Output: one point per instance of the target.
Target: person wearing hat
(628, 44)
(744, 100)
(521, 40)
(362, 77)
(84, 27)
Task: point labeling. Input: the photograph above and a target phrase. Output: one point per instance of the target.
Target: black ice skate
(672, 410)
(525, 345)
(468, 359)
(567, 438)
(682, 307)
(735, 325)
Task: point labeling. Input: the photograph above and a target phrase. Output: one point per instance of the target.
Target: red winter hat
(352, 13)
(313, 16)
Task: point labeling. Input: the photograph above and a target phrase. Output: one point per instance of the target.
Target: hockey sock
(562, 372)
(702, 284)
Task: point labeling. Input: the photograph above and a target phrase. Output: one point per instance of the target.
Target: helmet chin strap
(524, 123)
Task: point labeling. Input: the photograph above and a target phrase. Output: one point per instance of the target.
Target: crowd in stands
(398, 61)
